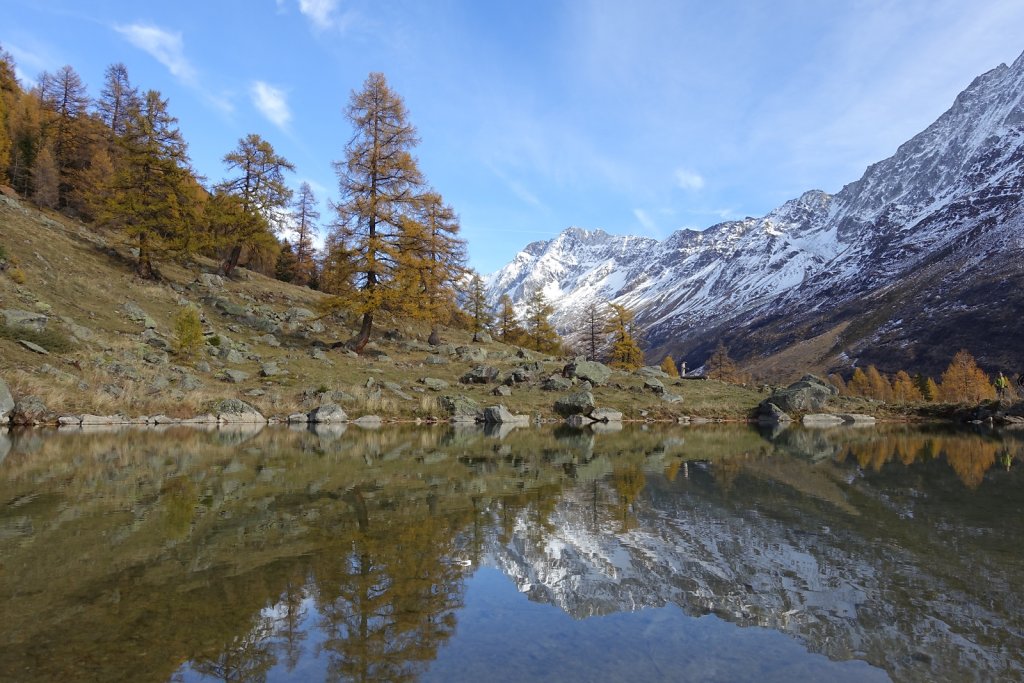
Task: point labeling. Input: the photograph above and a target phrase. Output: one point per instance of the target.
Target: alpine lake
(458, 553)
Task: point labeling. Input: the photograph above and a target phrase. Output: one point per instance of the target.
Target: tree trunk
(144, 268)
(232, 260)
(358, 342)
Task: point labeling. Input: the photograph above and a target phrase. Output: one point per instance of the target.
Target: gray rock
(189, 382)
(298, 314)
(556, 383)
(524, 354)
(211, 281)
(368, 421)
(269, 370)
(471, 354)
(654, 384)
(134, 313)
(460, 408)
(228, 308)
(577, 421)
(671, 398)
(435, 360)
(481, 374)
(857, 419)
(155, 339)
(233, 410)
(809, 394)
(203, 366)
(6, 401)
(24, 319)
(501, 415)
(326, 414)
(298, 418)
(397, 390)
(235, 376)
(579, 403)
(502, 390)
(92, 420)
(433, 383)
(651, 371)
(771, 414)
(606, 415)
(595, 373)
(33, 347)
(156, 358)
(79, 332)
(269, 340)
(821, 420)
(31, 410)
(232, 356)
(482, 337)
(318, 354)
(69, 421)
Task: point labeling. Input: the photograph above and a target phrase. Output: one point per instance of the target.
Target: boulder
(235, 376)
(502, 390)
(591, 371)
(368, 421)
(809, 394)
(821, 420)
(134, 313)
(269, 340)
(326, 414)
(857, 419)
(25, 319)
(298, 314)
(33, 347)
(6, 401)
(482, 337)
(605, 415)
(460, 408)
(481, 374)
(269, 369)
(155, 339)
(524, 354)
(654, 384)
(298, 418)
(580, 403)
(501, 415)
(31, 410)
(671, 398)
(770, 414)
(433, 383)
(556, 383)
(236, 411)
(211, 281)
(435, 360)
(577, 421)
(471, 354)
(651, 371)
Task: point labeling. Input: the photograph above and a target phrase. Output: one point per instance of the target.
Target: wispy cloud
(164, 46)
(687, 179)
(646, 222)
(272, 103)
(325, 14)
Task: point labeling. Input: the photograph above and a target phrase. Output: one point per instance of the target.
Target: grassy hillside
(103, 360)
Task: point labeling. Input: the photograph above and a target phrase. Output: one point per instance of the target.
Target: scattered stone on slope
(809, 394)
(24, 319)
(327, 413)
(501, 415)
(579, 403)
(460, 408)
(481, 374)
(6, 401)
(592, 371)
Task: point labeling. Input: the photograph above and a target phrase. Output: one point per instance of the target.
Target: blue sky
(639, 117)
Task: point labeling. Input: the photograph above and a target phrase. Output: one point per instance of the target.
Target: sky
(638, 117)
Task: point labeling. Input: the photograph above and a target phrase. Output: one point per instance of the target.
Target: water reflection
(283, 554)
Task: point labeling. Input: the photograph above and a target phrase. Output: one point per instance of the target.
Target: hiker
(1002, 384)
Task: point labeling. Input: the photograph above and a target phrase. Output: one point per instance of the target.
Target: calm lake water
(459, 554)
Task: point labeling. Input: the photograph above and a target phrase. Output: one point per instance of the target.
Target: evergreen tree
(63, 96)
(10, 92)
(540, 332)
(668, 365)
(859, 384)
(152, 194)
(721, 367)
(45, 180)
(878, 386)
(305, 215)
(286, 268)
(625, 352)
(595, 326)
(379, 180)
(476, 305)
(117, 99)
(964, 382)
(509, 330)
(264, 196)
(904, 390)
(26, 134)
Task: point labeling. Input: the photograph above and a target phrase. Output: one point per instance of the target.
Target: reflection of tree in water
(388, 594)
(289, 613)
(245, 658)
(628, 482)
(969, 455)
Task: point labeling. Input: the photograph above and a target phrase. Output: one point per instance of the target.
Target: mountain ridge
(914, 259)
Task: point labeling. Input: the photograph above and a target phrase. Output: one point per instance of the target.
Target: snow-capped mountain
(918, 258)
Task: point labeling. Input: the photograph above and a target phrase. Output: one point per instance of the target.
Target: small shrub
(188, 331)
(16, 274)
(214, 341)
(51, 340)
(3, 253)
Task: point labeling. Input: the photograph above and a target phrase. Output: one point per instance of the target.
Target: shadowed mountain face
(281, 554)
(917, 259)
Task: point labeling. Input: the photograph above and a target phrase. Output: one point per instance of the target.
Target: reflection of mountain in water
(886, 573)
(230, 553)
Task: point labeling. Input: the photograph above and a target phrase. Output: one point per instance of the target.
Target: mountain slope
(918, 258)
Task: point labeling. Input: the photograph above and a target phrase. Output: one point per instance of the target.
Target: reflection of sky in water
(502, 636)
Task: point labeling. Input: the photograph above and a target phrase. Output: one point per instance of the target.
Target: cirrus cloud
(272, 103)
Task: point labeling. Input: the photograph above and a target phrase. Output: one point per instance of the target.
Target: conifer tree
(45, 180)
(539, 330)
(305, 215)
(117, 99)
(64, 97)
(859, 384)
(904, 390)
(378, 179)
(476, 305)
(26, 133)
(878, 386)
(595, 327)
(721, 366)
(152, 194)
(287, 265)
(508, 328)
(625, 352)
(668, 366)
(264, 196)
(836, 380)
(964, 382)
(10, 91)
